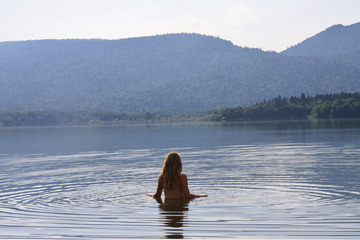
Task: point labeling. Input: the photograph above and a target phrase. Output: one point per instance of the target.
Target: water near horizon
(265, 180)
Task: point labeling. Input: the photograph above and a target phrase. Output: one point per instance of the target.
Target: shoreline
(191, 121)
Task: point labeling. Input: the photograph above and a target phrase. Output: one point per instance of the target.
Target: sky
(271, 25)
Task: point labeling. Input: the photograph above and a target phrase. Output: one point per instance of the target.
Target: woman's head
(172, 168)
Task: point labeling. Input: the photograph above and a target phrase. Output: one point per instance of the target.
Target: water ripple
(256, 191)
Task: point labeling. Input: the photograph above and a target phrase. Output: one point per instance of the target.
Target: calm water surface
(265, 180)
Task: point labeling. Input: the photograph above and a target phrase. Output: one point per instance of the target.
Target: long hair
(172, 169)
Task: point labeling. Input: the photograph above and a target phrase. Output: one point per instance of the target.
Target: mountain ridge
(171, 72)
(97, 69)
(335, 40)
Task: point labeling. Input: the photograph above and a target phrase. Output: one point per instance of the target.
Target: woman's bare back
(179, 189)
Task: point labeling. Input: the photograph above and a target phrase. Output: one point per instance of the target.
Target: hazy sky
(266, 24)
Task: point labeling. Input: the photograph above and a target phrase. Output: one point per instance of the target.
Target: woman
(172, 181)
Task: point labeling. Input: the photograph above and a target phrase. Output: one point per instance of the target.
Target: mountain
(87, 74)
(336, 40)
(181, 72)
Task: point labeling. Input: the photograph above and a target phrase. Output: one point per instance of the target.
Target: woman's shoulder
(183, 176)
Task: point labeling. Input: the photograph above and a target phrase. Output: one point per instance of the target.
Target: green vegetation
(343, 105)
(61, 118)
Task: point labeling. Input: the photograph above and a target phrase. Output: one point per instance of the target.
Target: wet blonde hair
(172, 169)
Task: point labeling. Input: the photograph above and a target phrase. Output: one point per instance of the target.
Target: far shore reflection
(173, 216)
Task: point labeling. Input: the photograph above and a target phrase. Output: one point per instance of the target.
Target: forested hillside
(247, 83)
(96, 74)
(173, 72)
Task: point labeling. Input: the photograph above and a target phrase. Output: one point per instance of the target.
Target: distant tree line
(63, 118)
(320, 106)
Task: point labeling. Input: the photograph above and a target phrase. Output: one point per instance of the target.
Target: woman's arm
(159, 190)
(185, 188)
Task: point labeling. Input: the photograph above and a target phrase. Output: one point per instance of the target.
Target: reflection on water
(297, 124)
(173, 216)
(264, 180)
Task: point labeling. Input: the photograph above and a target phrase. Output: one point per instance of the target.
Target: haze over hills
(173, 72)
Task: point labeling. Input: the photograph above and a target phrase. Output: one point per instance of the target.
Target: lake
(265, 180)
